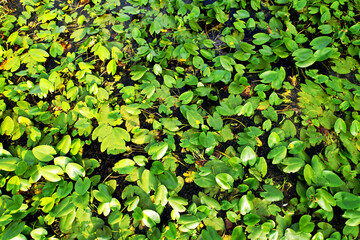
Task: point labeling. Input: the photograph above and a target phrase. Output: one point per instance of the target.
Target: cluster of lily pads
(173, 119)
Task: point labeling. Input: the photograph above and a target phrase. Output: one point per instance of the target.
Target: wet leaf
(273, 139)
(186, 97)
(355, 128)
(64, 145)
(12, 230)
(38, 55)
(194, 118)
(332, 178)
(215, 121)
(272, 194)
(320, 42)
(78, 34)
(346, 200)
(261, 38)
(75, 171)
(161, 195)
(157, 151)
(305, 224)
(191, 48)
(44, 153)
(169, 180)
(151, 218)
(224, 180)
(178, 203)
(51, 173)
(111, 67)
(248, 156)
(340, 126)
(293, 164)
(251, 219)
(124, 166)
(7, 126)
(82, 185)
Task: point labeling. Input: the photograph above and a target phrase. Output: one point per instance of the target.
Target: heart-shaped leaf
(51, 173)
(272, 194)
(82, 185)
(305, 224)
(151, 218)
(178, 203)
(44, 153)
(74, 171)
(124, 166)
(224, 180)
(248, 156)
(194, 118)
(273, 139)
(346, 200)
